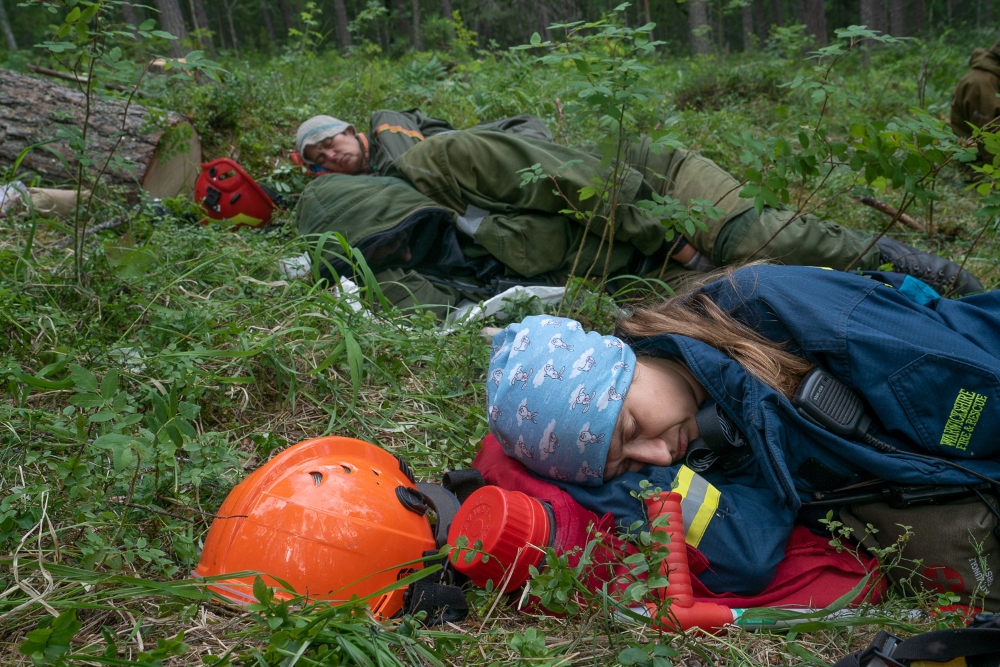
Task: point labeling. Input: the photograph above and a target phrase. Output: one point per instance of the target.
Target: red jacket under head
(812, 573)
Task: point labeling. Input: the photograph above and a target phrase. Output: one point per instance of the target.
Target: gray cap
(315, 130)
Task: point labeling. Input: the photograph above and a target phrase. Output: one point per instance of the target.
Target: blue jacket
(931, 374)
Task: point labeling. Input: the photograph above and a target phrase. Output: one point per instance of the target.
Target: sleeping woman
(707, 391)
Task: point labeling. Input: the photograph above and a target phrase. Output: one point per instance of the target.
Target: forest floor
(190, 341)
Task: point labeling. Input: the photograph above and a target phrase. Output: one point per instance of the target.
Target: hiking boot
(938, 272)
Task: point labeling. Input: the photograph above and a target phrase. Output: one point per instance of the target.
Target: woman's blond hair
(697, 316)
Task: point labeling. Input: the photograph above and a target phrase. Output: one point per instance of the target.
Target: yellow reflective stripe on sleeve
(397, 129)
(699, 502)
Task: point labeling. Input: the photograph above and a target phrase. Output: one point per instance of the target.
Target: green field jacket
(392, 133)
(467, 187)
(975, 99)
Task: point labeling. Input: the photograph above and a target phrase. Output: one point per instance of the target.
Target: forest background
(148, 372)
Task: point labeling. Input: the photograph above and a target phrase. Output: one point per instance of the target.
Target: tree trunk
(988, 13)
(418, 38)
(343, 34)
(649, 18)
(919, 12)
(286, 15)
(201, 23)
(779, 17)
(8, 34)
(446, 8)
(762, 25)
(172, 21)
(812, 14)
(543, 21)
(897, 18)
(748, 36)
(402, 20)
(950, 6)
(873, 15)
(29, 104)
(129, 15)
(265, 14)
(698, 25)
(229, 5)
(223, 41)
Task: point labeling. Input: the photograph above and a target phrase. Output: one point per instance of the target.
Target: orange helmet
(322, 515)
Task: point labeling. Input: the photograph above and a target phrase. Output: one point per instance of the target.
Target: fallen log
(162, 147)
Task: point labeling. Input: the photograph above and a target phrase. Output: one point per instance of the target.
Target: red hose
(683, 613)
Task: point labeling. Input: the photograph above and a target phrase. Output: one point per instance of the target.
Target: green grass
(207, 361)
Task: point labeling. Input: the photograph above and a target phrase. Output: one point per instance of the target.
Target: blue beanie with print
(554, 393)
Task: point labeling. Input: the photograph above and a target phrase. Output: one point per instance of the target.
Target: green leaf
(148, 24)
(86, 400)
(102, 416)
(261, 591)
(535, 39)
(161, 33)
(122, 457)
(633, 656)
(46, 644)
(174, 434)
(90, 12)
(111, 440)
(83, 378)
(73, 15)
(109, 384)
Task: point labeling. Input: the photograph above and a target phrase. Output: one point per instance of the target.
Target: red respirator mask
(227, 192)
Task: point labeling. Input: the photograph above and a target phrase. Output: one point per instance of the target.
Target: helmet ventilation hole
(347, 469)
(317, 477)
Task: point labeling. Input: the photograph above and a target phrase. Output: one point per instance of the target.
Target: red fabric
(812, 573)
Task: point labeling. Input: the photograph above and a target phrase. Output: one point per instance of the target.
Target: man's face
(340, 154)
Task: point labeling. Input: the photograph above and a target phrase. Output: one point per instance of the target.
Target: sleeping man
(461, 215)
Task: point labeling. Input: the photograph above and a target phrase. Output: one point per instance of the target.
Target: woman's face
(656, 421)
(340, 154)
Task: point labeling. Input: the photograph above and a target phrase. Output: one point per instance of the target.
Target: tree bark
(779, 17)
(265, 14)
(229, 6)
(446, 8)
(762, 25)
(172, 21)
(343, 34)
(129, 15)
(897, 19)
(418, 38)
(543, 21)
(31, 109)
(919, 12)
(402, 20)
(812, 14)
(748, 36)
(201, 23)
(645, 4)
(8, 34)
(873, 15)
(698, 25)
(287, 15)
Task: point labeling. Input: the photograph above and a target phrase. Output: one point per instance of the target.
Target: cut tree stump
(162, 146)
